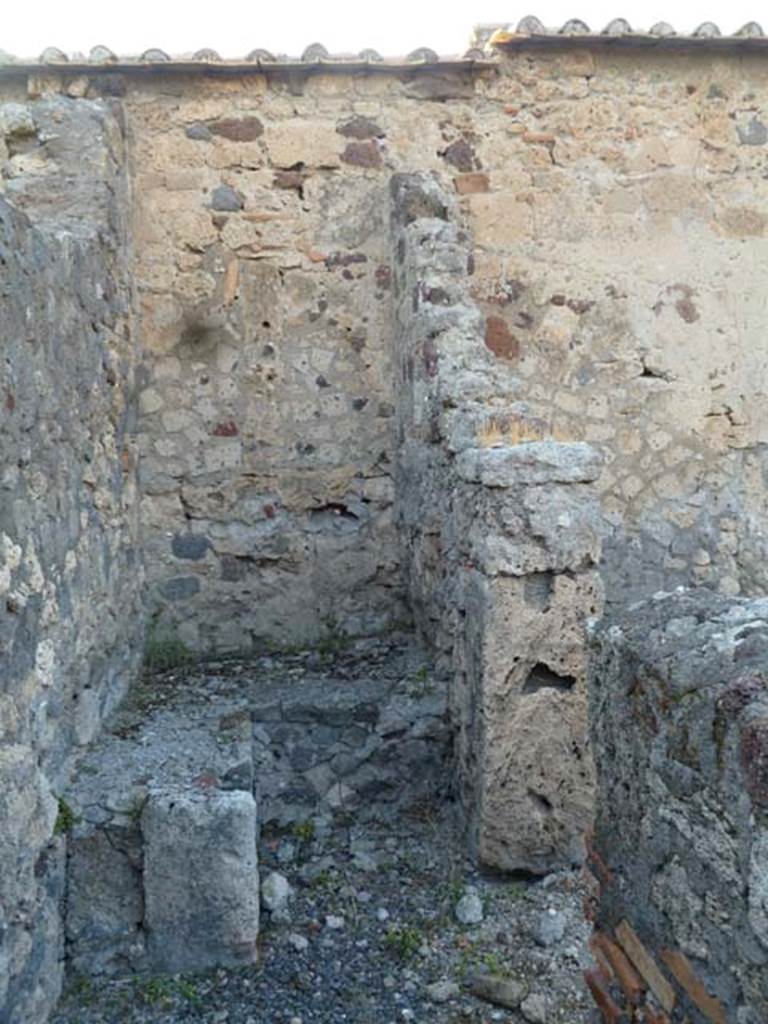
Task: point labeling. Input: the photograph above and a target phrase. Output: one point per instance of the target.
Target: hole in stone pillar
(541, 802)
(542, 678)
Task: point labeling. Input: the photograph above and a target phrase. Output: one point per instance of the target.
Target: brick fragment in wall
(499, 339)
(474, 181)
(621, 968)
(611, 1013)
(679, 966)
(645, 965)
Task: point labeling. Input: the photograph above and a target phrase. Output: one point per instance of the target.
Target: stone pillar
(525, 586)
(201, 879)
(500, 537)
(679, 721)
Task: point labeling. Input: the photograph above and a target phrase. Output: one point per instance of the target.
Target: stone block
(201, 882)
(499, 219)
(312, 144)
(105, 904)
(525, 738)
(532, 462)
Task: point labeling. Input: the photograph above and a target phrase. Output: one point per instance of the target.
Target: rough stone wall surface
(679, 712)
(267, 416)
(500, 541)
(611, 199)
(615, 203)
(70, 572)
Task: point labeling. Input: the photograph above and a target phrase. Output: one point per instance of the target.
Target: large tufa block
(525, 768)
(679, 722)
(201, 882)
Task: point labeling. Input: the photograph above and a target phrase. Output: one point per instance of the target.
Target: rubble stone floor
(370, 932)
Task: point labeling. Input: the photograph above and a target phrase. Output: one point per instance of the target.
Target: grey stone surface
(531, 462)
(275, 892)
(469, 909)
(501, 533)
(442, 991)
(679, 705)
(201, 881)
(534, 1008)
(70, 567)
(226, 198)
(550, 928)
(501, 991)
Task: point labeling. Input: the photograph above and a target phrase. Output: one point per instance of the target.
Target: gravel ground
(385, 921)
(370, 935)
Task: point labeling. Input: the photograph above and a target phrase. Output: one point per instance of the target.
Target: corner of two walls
(267, 416)
(70, 564)
(501, 537)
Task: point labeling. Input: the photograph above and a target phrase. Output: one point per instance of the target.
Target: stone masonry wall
(267, 415)
(611, 200)
(615, 202)
(679, 712)
(70, 569)
(500, 541)
(610, 195)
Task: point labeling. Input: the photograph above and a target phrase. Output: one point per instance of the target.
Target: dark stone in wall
(180, 588)
(227, 199)
(192, 546)
(243, 129)
(362, 154)
(360, 128)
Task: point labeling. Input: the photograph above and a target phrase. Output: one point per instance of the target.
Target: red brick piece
(500, 340)
(608, 1008)
(681, 968)
(623, 971)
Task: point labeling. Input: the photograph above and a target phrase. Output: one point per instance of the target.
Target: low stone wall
(679, 711)
(499, 542)
(70, 573)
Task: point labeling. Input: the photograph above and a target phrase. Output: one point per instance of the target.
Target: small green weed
(164, 648)
(155, 992)
(81, 989)
(404, 941)
(304, 831)
(66, 818)
(421, 682)
(188, 991)
(334, 639)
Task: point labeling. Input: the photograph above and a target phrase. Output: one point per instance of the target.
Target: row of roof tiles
(486, 38)
(616, 29)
